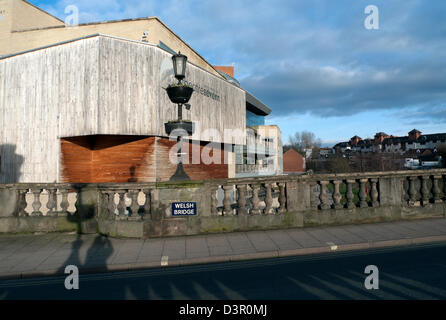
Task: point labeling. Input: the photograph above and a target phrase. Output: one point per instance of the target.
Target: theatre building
(88, 104)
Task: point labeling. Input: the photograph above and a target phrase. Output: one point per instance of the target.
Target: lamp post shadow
(101, 248)
(10, 164)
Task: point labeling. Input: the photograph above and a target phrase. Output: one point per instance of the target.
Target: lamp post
(180, 94)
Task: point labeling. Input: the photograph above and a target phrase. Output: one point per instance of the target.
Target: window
(253, 119)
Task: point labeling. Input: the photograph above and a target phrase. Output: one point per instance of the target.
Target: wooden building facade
(93, 110)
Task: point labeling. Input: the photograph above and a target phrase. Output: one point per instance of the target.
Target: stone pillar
(425, 192)
(313, 195)
(282, 197)
(350, 196)
(241, 201)
(121, 204)
(64, 204)
(110, 202)
(214, 200)
(405, 194)
(337, 197)
(297, 194)
(134, 207)
(374, 192)
(362, 194)
(36, 204)
(227, 204)
(268, 199)
(255, 199)
(87, 206)
(324, 196)
(52, 202)
(412, 191)
(21, 203)
(436, 189)
(391, 191)
(147, 205)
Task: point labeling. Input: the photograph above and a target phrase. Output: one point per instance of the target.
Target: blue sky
(313, 61)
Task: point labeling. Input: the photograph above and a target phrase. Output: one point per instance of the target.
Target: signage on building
(184, 208)
(203, 91)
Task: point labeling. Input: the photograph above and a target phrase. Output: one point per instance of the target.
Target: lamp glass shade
(179, 65)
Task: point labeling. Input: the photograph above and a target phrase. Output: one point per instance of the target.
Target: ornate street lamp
(179, 93)
(179, 66)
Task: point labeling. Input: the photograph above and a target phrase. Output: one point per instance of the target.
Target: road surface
(415, 272)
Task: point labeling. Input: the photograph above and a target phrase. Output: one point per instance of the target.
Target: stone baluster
(436, 189)
(268, 199)
(425, 192)
(121, 204)
(52, 202)
(64, 204)
(282, 197)
(412, 191)
(241, 188)
(255, 199)
(337, 197)
(227, 204)
(313, 195)
(214, 201)
(404, 192)
(76, 201)
(374, 193)
(36, 204)
(362, 194)
(324, 196)
(111, 206)
(350, 196)
(147, 208)
(134, 206)
(21, 202)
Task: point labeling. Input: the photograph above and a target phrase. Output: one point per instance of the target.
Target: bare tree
(304, 140)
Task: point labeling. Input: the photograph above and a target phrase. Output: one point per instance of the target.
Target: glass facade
(253, 119)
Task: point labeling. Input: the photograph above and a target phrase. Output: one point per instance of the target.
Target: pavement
(28, 256)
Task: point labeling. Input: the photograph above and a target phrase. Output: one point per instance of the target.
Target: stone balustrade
(126, 202)
(44, 200)
(421, 188)
(144, 209)
(250, 197)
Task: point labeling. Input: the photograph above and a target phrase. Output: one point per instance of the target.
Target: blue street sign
(184, 208)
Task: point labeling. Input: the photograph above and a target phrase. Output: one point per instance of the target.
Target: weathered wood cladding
(105, 159)
(200, 171)
(108, 159)
(96, 86)
(44, 95)
(132, 99)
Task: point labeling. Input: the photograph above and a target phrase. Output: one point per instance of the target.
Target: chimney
(229, 70)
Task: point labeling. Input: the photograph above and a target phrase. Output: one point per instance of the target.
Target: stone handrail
(55, 197)
(228, 204)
